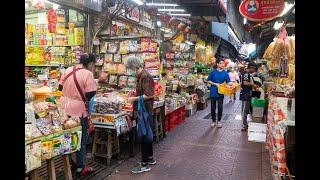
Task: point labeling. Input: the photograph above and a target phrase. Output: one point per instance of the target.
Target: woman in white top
(234, 77)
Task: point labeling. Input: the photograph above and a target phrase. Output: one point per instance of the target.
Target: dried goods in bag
(32, 156)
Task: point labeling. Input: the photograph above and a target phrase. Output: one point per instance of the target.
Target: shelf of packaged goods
(107, 37)
(44, 65)
(52, 45)
(124, 19)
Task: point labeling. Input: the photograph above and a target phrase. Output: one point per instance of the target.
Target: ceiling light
(172, 10)
(159, 23)
(139, 2)
(244, 21)
(180, 14)
(277, 25)
(287, 7)
(162, 4)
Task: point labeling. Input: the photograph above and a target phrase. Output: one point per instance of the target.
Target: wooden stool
(105, 144)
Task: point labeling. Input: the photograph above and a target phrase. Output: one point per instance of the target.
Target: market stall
(280, 85)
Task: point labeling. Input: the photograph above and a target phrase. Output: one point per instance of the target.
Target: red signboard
(261, 10)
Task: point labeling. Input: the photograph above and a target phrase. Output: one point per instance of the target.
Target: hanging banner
(261, 10)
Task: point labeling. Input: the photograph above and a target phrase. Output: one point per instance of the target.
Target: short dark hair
(219, 60)
(252, 65)
(85, 59)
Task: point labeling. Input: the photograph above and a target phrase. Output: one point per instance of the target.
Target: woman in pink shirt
(78, 87)
(234, 77)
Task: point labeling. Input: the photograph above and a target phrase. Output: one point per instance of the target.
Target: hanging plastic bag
(144, 129)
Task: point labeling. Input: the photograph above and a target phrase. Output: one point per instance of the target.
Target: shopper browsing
(234, 77)
(78, 87)
(145, 89)
(247, 86)
(217, 77)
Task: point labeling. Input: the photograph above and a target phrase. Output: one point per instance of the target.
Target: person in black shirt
(247, 86)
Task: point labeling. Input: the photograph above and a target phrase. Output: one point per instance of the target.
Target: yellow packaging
(79, 36)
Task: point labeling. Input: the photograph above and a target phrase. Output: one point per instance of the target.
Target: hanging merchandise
(52, 20)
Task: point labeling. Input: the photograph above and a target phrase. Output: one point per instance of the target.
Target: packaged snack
(72, 122)
(108, 57)
(113, 47)
(31, 132)
(79, 140)
(124, 47)
(32, 156)
(113, 80)
(57, 145)
(117, 58)
(44, 125)
(122, 81)
(121, 69)
(107, 105)
(66, 141)
(103, 76)
(121, 125)
(46, 150)
(133, 46)
(74, 142)
(152, 64)
(147, 45)
(29, 114)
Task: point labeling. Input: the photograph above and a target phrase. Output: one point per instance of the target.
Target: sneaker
(141, 169)
(213, 125)
(151, 162)
(219, 125)
(86, 171)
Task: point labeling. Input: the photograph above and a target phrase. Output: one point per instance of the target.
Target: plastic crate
(255, 102)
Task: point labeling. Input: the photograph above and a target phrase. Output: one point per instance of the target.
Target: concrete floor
(194, 150)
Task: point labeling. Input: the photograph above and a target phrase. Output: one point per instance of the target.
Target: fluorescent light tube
(162, 4)
(139, 2)
(180, 14)
(172, 10)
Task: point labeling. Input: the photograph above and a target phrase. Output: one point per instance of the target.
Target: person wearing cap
(217, 77)
(78, 87)
(247, 86)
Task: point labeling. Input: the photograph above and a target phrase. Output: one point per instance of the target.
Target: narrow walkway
(195, 151)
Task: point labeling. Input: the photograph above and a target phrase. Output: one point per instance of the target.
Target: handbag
(144, 130)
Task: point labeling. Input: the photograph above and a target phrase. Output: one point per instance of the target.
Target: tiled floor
(194, 151)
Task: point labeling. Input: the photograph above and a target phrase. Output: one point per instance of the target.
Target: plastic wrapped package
(31, 132)
(74, 142)
(79, 140)
(103, 76)
(41, 108)
(113, 80)
(29, 114)
(121, 125)
(44, 125)
(32, 156)
(123, 81)
(46, 150)
(57, 146)
(152, 64)
(121, 69)
(72, 122)
(133, 46)
(113, 47)
(66, 142)
(108, 105)
(278, 50)
(124, 47)
(117, 58)
(108, 57)
(56, 121)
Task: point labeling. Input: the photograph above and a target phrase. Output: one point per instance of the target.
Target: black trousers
(214, 102)
(146, 151)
